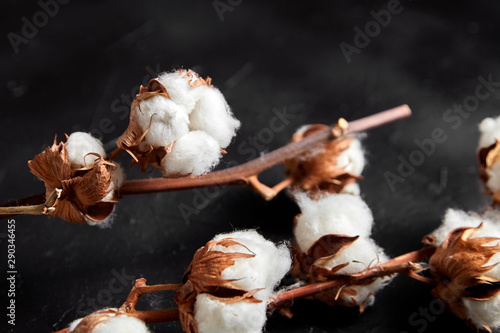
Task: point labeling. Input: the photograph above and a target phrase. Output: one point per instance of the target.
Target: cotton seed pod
(108, 321)
(332, 235)
(228, 283)
(87, 190)
(332, 167)
(465, 270)
(179, 124)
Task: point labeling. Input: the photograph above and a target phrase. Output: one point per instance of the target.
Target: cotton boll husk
(78, 147)
(352, 160)
(343, 214)
(483, 312)
(213, 115)
(179, 88)
(493, 182)
(490, 130)
(116, 183)
(215, 316)
(122, 324)
(166, 120)
(264, 270)
(194, 153)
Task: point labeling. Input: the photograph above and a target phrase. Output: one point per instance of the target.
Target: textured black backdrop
(78, 70)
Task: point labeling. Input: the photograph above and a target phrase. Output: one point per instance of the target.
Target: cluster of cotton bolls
(188, 117)
(346, 215)
(489, 154)
(481, 312)
(257, 272)
(108, 321)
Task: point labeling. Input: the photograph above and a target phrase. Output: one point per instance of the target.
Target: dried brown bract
(204, 275)
(316, 171)
(82, 189)
(460, 267)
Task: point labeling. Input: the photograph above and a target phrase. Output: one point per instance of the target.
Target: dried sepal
(316, 171)
(460, 268)
(488, 156)
(82, 189)
(194, 79)
(204, 275)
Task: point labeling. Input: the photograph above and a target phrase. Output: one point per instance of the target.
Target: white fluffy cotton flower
(182, 120)
(83, 149)
(258, 272)
(343, 215)
(480, 312)
(108, 321)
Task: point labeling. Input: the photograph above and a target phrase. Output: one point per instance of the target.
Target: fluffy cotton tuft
(194, 153)
(166, 120)
(80, 145)
(331, 214)
(490, 130)
(180, 89)
(113, 323)
(484, 312)
(262, 271)
(213, 115)
(215, 316)
(352, 159)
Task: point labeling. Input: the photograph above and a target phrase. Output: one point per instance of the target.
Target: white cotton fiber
(352, 189)
(332, 214)
(122, 324)
(483, 312)
(79, 145)
(213, 115)
(166, 120)
(264, 271)
(112, 324)
(490, 130)
(116, 183)
(352, 160)
(215, 316)
(194, 153)
(178, 85)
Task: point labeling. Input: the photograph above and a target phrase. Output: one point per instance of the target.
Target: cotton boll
(264, 270)
(352, 160)
(332, 214)
(483, 312)
(122, 324)
(116, 183)
(178, 85)
(213, 115)
(79, 145)
(216, 316)
(366, 294)
(194, 153)
(490, 130)
(166, 120)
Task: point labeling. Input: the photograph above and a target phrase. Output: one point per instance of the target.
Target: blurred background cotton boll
(71, 66)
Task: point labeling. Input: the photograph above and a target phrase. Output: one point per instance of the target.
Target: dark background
(74, 71)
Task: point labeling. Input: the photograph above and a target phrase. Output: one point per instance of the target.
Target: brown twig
(32, 209)
(242, 174)
(403, 264)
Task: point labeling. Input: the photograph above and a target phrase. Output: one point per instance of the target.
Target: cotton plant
(179, 123)
(229, 283)
(466, 266)
(332, 234)
(82, 183)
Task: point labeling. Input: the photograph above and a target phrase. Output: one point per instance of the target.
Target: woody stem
(140, 288)
(402, 264)
(241, 174)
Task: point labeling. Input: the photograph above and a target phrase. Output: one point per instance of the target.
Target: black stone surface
(77, 71)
